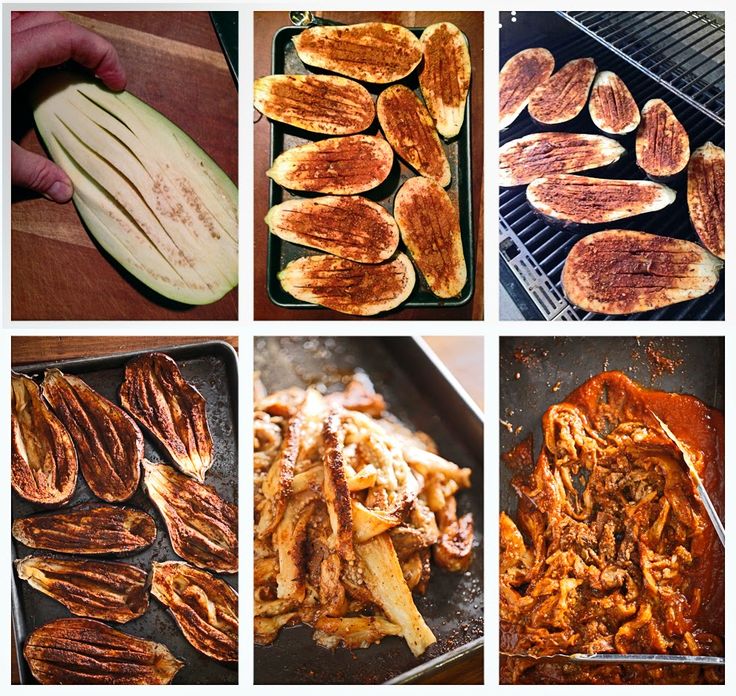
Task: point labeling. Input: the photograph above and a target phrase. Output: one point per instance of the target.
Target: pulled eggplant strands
(612, 550)
(350, 506)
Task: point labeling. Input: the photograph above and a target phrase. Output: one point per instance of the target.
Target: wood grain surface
(265, 25)
(174, 63)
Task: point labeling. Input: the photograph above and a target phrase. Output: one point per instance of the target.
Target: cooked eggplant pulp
(151, 197)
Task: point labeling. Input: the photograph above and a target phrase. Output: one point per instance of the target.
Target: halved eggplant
(612, 106)
(522, 160)
(569, 199)
(351, 227)
(706, 196)
(519, 77)
(621, 272)
(562, 96)
(662, 143)
(348, 165)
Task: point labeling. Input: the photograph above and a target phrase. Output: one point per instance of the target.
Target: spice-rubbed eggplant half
(92, 530)
(563, 95)
(519, 77)
(318, 103)
(570, 199)
(430, 228)
(149, 195)
(409, 128)
(522, 160)
(104, 590)
(662, 143)
(109, 444)
(202, 526)
(349, 287)
(84, 651)
(370, 52)
(43, 459)
(621, 272)
(706, 196)
(351, 227)
(346, 165)
(612, 107)
(157, 395)
(444, 77)
(204, 607)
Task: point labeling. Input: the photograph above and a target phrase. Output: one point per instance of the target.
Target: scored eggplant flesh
(662, 143)
(612, 107)
(563, 95)
(519, 77)
(706, 196)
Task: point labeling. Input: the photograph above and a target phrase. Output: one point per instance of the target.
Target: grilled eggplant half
(161, 400)
(348, 165)
(522, 160)
(317, 103)
(445, 76)
(351, 227)
(92, 530)
(570, 199)
(563, 95)
(430, 228)
(621, 272)
(109, 444)
(349, 287)
(662, 143)
(409, 128)
(370, 52)
(202, 526)
(612, 107)
(43, 459)
(83, 651)
(102, 590)
(519, 77)
(205, 607)
(706, 197)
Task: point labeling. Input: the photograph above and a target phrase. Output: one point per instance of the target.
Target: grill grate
(534, 251)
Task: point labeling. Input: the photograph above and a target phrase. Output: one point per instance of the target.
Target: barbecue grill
(675, 56)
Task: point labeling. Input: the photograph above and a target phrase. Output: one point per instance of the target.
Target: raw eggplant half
(151, 197)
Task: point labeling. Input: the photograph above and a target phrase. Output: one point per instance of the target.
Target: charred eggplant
(706, 197)
(519, 77)
(662, 143)
(562, 96)
(612, 107)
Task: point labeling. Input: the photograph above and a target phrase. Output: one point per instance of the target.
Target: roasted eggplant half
(156, 394)
(706, 197)
(612, 107)
(662, 143)
(43, 459)
(204, 607)
(83, 651)
(109, 444)
(92, 530)
(519, 77)
(621, 272)
(562, 96)
(522, 160)
(103, 590)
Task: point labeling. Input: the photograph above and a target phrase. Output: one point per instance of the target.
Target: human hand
(41, 40)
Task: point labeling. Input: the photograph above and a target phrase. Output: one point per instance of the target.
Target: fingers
(32, 171)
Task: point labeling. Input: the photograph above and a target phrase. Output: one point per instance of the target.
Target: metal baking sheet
(416, 391)
(212, 368)
(286, 61)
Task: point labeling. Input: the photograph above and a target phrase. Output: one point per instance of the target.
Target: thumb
(32, 171)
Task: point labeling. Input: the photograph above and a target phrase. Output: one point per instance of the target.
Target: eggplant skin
(87, 529)
(706, 197)
(204, 607)
(612, 106)
(622, 272)
(563, 95)
(109, 444)
(662, 143)
(104, 590)
(519, 77)
(84, 651)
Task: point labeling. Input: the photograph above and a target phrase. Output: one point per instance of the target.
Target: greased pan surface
(212, 368)
(417, 392)
(283, 137)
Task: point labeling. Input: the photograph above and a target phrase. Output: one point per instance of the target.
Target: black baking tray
(417, 391)
(286, 61)
(212, 368)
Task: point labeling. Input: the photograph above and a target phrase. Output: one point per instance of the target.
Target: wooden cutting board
(174, 63)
